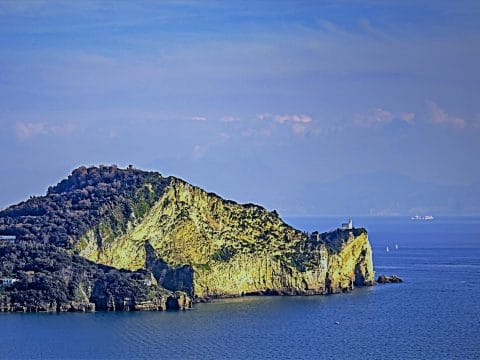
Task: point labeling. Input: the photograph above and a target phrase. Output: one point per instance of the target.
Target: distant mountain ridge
(384, 194)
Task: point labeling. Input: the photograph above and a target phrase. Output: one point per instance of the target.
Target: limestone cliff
(212, 247)
(197, 242)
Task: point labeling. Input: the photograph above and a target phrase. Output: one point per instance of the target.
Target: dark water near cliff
(434, 314)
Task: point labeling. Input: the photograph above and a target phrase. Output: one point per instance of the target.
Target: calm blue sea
(435, 314)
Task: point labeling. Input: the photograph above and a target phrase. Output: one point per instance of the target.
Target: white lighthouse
(348, 226)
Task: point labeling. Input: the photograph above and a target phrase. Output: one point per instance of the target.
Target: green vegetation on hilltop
(88, 198)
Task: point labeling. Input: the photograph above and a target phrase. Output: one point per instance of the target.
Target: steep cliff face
(352, 265)
(191, 240)
(211, 247)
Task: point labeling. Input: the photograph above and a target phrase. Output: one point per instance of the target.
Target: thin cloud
(62, 130)
(373, 117)
(224, 136)
(229, 118)
(379, 116)
(438, 116)
(251, 132)
(28, 130)
(407, 117)
(264, 116)
(299, 129)
(281, 119)
(199, 118)
(299, 122)
(199, 151)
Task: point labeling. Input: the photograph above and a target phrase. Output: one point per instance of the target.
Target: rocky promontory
(125, 239)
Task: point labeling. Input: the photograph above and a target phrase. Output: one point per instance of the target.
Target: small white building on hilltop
(8, 281)
(7, 239)
(348, 226)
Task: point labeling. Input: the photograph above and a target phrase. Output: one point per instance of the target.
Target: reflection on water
(434, 314)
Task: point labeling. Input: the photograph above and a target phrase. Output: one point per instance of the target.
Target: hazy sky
(247, 99)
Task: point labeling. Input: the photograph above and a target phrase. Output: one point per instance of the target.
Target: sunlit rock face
(185, 239)
(196, 242)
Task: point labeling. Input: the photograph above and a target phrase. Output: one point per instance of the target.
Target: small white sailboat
(396, 246)
(387, 249)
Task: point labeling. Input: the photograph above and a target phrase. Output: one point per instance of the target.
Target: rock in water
(383, 279)
(177, 243)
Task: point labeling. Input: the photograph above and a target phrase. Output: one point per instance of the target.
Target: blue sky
(251, 100)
